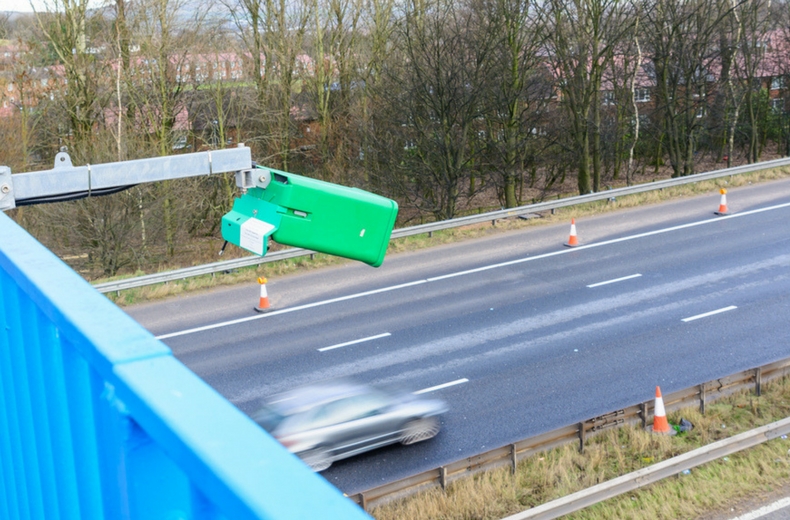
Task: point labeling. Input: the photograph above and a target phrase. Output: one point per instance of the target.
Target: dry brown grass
(564, 470)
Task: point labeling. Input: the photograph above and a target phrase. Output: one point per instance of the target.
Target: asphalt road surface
(519, 334)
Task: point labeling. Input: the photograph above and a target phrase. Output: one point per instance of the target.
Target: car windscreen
(347, 409)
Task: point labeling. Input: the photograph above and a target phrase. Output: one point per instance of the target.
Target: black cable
(77, 195)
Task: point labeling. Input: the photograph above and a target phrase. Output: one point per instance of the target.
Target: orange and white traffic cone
(660, 423)
(572, 241)
(263, 304)
(723, 204)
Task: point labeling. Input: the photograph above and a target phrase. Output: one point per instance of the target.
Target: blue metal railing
(99, 421)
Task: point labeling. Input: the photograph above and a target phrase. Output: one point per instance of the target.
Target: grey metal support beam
(65, 179)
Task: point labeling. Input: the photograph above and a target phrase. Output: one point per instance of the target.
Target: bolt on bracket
(7, 200)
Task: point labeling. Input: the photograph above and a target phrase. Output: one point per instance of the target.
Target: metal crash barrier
(99, 420)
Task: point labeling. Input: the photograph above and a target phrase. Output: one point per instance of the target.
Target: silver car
(326, 422)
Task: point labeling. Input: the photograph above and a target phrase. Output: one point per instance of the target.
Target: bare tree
(636, 115)
(781, 58)
(166, 31)
(752, 65)
(121, 44)
(624, 77)
(376, 46)
(681, 43)
(580, 37)
(519, 93)
(431, 106)
(5, 25)
(104, 228)
(334, 80)
(30, 85)
(276, 35)
(215, 113)
(65, 26)
(250, 17)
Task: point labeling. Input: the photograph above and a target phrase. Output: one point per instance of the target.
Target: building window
(778, 105)
(642, 95)
(608, 97)
(777, 83)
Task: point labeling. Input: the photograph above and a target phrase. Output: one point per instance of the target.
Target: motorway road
(519, 334)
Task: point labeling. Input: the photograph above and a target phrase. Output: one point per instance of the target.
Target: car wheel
(317, 458)
(418, 430)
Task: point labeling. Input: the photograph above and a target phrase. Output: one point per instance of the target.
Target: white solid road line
(289, 309)
(608, 242)
(439, 387)
(347, 343)
(471, 271)
(765, 510)
(711, 313)
(607, 282)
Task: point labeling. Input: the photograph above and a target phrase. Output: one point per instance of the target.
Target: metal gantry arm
(68, 182)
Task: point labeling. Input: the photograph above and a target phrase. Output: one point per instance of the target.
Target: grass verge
(715, 486)
(414, 243)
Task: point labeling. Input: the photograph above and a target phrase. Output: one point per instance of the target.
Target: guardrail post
(513, 457)
(363, 502)
(443, 477)
(758, 381)
(581, 437)
(702, 398)
(643, 413)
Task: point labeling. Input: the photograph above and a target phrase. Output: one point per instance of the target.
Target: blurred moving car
(326, 422)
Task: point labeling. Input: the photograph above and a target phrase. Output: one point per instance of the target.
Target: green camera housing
(312, 214)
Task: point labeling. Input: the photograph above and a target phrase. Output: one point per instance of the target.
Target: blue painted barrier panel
(98, 420)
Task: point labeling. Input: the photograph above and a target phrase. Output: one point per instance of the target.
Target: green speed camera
(308, 213)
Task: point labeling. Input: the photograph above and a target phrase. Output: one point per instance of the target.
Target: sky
(24, 6)
(18, 5)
